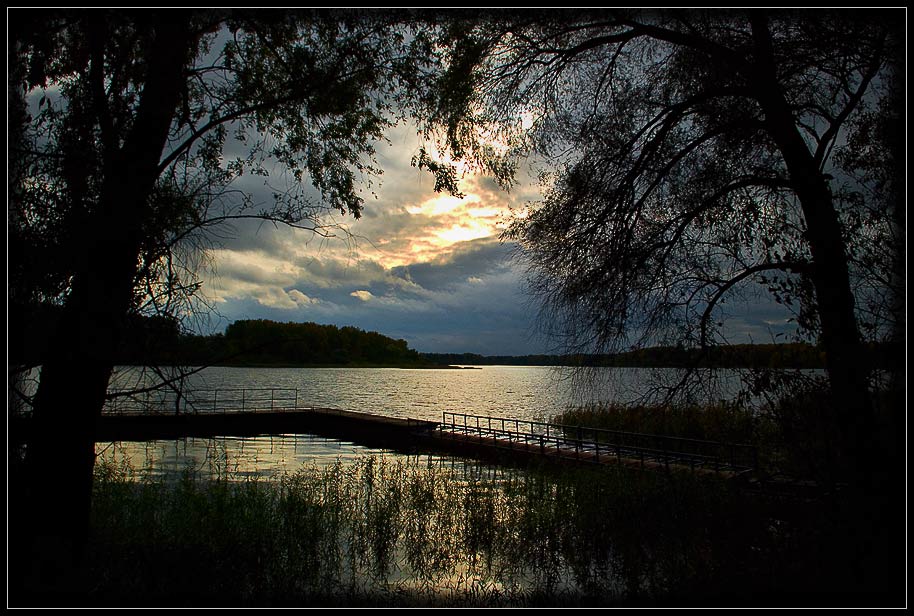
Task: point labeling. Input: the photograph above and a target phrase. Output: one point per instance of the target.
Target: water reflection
(242, 458)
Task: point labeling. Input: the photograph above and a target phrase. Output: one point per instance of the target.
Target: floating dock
(363, 428)
(261, 412)
(491, 438)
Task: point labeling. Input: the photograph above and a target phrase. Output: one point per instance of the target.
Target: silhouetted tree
(130, 128)
(696, 152)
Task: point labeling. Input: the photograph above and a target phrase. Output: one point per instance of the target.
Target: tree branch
(165, 383)
(872, 70)
(789, 266)
(721, 53)
(229, 117)
(97, 40)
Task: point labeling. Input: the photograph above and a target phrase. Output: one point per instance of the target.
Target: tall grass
(722, 421)
(794, 431)
(398, 532)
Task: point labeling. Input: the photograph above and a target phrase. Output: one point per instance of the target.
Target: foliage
(790, 425)
(285, 98)
(266, 342)
(726, 422)
(803, 442)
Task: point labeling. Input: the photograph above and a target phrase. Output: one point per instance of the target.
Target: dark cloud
(469, 301)
(756, 318)
(472, 260)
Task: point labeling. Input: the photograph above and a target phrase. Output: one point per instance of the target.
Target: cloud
(465, 299)
(301, 299)
(414, 268)
(418, 265)
(363, 295)
(472, 259)
(275, 298)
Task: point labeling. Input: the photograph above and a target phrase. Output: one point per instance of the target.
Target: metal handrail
(662, 447)
(220, 400)
(587, 428)
(609, 451)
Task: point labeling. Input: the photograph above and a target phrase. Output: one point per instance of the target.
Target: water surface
(522, 392)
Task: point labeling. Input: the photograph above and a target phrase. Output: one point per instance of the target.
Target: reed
(404, 532)
(714, 422)
(795, 433)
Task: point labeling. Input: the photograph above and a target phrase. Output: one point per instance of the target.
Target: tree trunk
(74, 380)
(845, 358)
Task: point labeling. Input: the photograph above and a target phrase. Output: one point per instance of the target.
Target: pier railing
(599, 445)
(202, 401)
(588, 444)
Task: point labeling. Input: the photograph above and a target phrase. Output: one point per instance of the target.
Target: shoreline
(287, 365)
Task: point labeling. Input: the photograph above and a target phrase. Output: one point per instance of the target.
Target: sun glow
(472, 230)
(452, 220)
(442, 204)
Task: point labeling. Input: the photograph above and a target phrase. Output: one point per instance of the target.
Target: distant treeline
(785, 355)
(159, 341)
(268, 343)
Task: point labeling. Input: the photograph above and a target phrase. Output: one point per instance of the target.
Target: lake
(383, 527)
(524, 392)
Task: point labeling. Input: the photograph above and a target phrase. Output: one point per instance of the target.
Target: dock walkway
(252, 412)
(598, 446)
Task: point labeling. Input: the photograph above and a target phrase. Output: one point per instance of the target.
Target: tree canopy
(295, 98)
(130, 133)
(672, 184)
(692, 157)
(263, 342)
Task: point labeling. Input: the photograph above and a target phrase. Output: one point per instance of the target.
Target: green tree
(694, 154)
(130, 129)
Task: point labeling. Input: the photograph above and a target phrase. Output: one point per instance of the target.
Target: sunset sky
(425, 267)
(419, 265)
